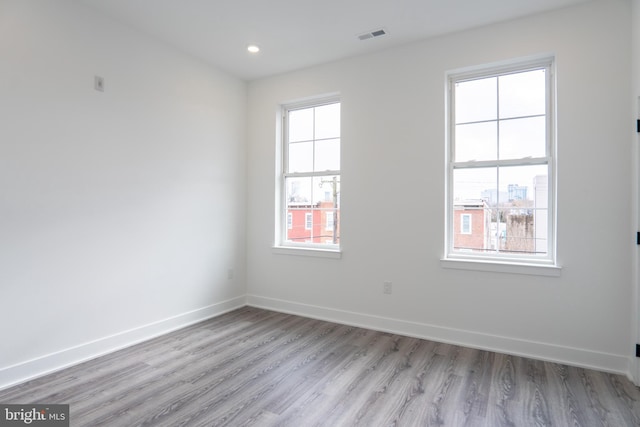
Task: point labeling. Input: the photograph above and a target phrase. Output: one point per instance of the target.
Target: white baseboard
(49, 363)
(46, 364)
(536, 350)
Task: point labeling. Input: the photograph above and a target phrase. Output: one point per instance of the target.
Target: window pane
(523, 94)
(327, 121)
(520, 138)
(523, 209)
(299, 192)
(298, 207)
(474, 185)
(326, 191)
(518, 185)
(524, 231)
(476, 100)
(327, 155)
(301, 157)
(477, 141)
(301, 125)
(326, 198)
(314, 207)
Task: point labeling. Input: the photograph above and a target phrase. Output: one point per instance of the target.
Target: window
(308, 221)
(309, 185)
(465, 224)
(328, 226)
(289, 220)
(501, 164)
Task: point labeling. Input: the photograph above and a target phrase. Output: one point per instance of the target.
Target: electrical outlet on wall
(98, 83)
(387, 288)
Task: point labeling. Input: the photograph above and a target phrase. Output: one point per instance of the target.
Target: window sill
(305, 251)
(502, 267)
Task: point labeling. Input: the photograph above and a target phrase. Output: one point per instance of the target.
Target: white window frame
(502, 262)
(282, 245)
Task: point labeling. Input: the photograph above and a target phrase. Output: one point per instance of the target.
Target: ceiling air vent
(372, 34)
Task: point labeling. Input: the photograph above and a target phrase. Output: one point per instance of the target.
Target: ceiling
(294, 34)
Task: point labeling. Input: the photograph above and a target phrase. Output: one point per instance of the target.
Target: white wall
(121, 212)
(393, 192)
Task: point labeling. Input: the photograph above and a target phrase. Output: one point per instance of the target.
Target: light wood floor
(261, 368)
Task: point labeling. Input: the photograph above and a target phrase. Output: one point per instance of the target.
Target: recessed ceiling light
(252, 48)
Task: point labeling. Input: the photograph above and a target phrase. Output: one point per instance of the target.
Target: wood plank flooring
(254, 367)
